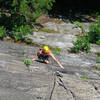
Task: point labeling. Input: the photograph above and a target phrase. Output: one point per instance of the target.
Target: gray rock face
(63, 28)
(63, 41)
(78, 81)
(46, 82)
(66, 34)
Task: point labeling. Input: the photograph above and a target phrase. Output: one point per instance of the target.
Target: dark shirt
(43, 55)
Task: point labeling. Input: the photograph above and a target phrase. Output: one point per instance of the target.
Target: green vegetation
(84, 77)
(27, 62)
(2, 32)
(21, 32)
(98, 59)
(46, 30)
(80, 24)
(18, 16)
(98, 54)
(56, 50)
(93, 36)
(97, 68)
(82, 44)
(95, 14)
(94, 33)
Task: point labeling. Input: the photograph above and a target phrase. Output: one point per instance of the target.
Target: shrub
(97, 68)
(2, 32)
(15, 14)
(98, 42)
(94, 33)
(21, 32)
(31, 9)
(98, 60)
(82, 44)
(27, 62)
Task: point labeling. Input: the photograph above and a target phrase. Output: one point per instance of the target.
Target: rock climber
(44, 54)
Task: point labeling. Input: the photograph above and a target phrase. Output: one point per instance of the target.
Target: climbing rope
(56, 75)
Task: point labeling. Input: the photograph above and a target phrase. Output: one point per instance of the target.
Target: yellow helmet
(46, 49)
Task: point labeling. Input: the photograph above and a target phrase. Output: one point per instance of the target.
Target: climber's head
(46, 49)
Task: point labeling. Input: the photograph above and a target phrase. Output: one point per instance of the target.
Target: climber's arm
(56, 60)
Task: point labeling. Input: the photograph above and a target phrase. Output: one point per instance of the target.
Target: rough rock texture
(78, 81)
(63, 28)
(66, 28)
(65, 34)
(63, 41)
(46, 82)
